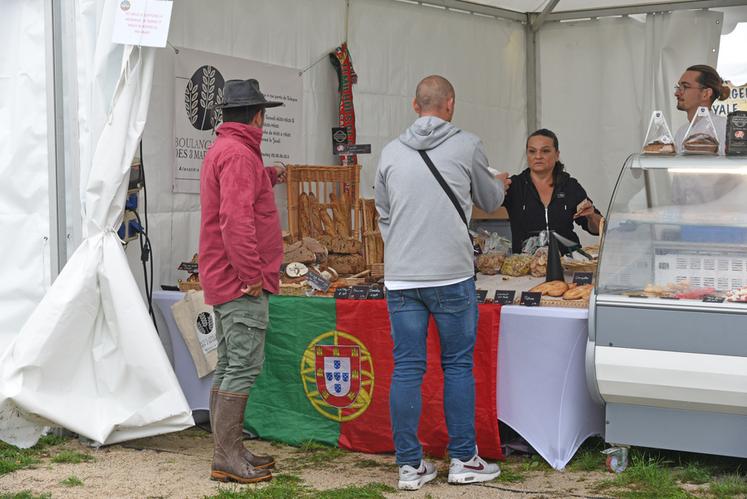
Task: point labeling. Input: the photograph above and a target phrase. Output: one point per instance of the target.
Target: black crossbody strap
(444, 186)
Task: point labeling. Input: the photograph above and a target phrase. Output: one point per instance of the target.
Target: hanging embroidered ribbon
(346, 76)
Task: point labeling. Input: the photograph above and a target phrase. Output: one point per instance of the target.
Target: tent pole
(55, 138)
(531, 73)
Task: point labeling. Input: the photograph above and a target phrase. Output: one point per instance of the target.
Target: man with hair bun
(700, 85)
(429, 272)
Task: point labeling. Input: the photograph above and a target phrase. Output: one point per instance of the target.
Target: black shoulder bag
(452, 197)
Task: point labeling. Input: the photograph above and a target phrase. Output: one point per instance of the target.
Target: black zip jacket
(527, 213)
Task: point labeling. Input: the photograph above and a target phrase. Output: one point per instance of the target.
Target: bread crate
(323, 200)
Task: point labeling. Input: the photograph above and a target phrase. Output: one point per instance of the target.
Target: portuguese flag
(328, 367)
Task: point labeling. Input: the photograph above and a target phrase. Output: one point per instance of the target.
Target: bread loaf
(342, 227)
(344, 245)
(317, 228)
(581, 292)
(551, 288)
(347, 264)
(297, 252)
(329, 225)
(304, 220)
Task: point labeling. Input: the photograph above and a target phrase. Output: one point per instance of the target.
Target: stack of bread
(701, 143)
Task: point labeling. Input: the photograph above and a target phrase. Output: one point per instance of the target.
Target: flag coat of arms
(338, 373)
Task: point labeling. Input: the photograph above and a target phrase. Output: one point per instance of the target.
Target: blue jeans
(454, 308)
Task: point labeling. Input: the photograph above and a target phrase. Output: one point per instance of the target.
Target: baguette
(329, 225)
(316, 222)
(338, 215)
(304, 221)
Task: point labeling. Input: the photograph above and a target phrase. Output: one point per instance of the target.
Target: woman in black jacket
(544, 196)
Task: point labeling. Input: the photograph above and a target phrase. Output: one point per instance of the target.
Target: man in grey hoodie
(428, 270)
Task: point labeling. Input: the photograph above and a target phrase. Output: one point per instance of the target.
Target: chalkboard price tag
(505, 296)
(342, 293)
(530, 299)
(582, 278)
(482, 294)
(359, 292)
(375, 293)
(189, 267)
(317, 281)
(713, 299)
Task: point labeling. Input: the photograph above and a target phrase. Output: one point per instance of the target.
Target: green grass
(24, 495)
(589, 457)
(292, 487)
(72, 481)
(315, 454)
(693, 472)
(72, 457)
(510, 475)
(647, 476)
(12, 458)
(730, 485)
(371, 463)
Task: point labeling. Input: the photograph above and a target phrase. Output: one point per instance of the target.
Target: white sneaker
(472, 471)
(412, 479)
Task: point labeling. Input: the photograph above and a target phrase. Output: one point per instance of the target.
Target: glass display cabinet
(667, 350)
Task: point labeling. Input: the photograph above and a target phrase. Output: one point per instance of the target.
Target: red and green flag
(328, 368)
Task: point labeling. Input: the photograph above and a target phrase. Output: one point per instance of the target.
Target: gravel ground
(177, 466)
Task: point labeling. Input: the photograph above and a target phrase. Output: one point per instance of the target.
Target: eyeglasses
(684, 87)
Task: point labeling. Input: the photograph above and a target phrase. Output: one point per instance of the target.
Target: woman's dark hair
(559, 167)
(242, 114)
(709, 78)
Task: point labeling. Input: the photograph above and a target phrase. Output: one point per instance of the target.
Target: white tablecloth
(541, 380)
(542, 390)
(196, 390)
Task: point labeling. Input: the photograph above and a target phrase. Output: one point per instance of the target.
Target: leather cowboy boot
(229, 464)
(256, 460)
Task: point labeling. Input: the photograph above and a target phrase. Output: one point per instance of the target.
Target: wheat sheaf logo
(203, 93)
(338, 376)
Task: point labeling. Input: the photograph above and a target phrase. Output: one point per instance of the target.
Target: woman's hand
(584, 209)
(503, 177)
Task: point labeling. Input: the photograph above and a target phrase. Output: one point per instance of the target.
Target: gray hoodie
(424, 237)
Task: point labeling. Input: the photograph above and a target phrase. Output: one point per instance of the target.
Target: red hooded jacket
(240, 240)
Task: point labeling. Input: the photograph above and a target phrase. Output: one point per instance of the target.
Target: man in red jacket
(241, 250)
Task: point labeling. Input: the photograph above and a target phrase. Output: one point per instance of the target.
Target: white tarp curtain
(393, 46)
(88, 359)
(599, 81)
(24, 193)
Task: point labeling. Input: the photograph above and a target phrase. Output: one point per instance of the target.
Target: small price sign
(529, 299)
(317, 281)
(375, 293)
(482, 294)
(713, 299)
(504, 296)
(359, 292)
(582, 278)
(342, 293)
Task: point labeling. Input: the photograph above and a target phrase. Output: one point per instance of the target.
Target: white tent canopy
(593, 78)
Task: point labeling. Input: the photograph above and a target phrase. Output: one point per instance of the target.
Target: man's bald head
(435, 97)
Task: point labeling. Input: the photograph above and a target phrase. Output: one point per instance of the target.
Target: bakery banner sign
(737, 101)
(199, 82)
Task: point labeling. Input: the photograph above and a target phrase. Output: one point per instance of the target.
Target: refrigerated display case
(667, 350)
